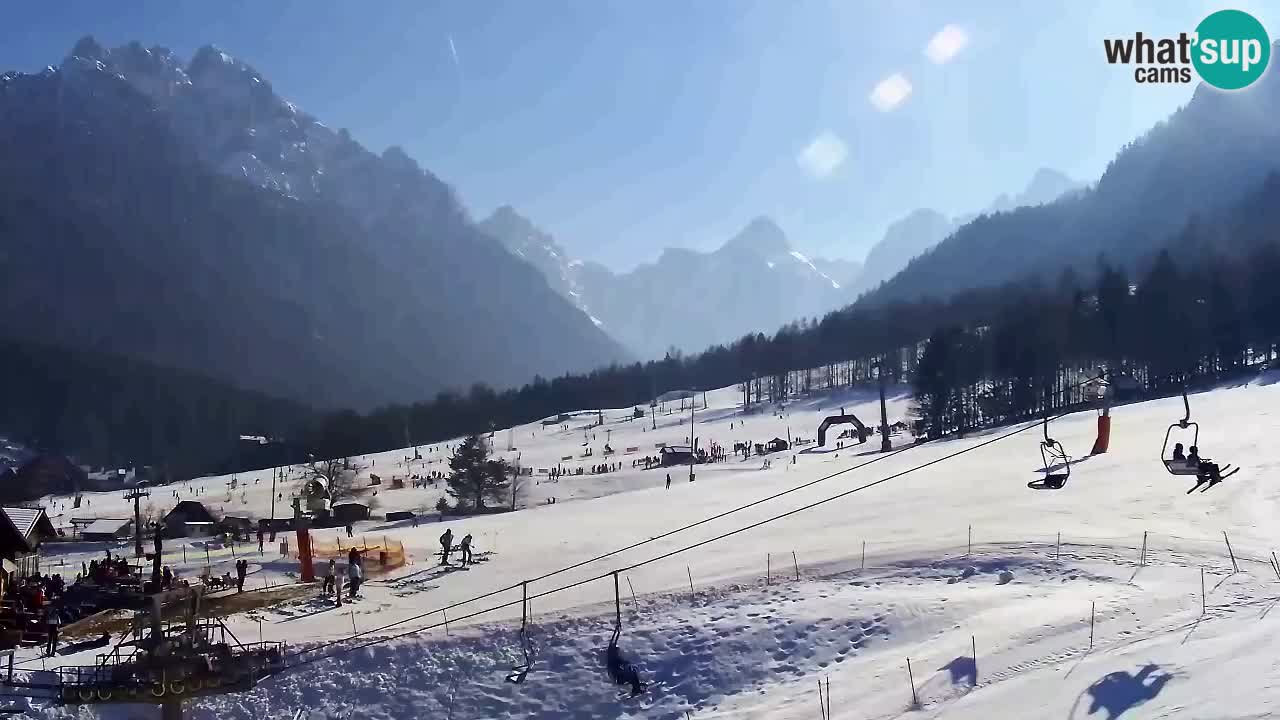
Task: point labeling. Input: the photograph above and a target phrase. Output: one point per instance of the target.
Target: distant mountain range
(186, 214)
(756, 282)
(686, 299)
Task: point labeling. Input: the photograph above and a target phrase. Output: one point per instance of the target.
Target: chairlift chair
(619, 670)
(519, 672)
(1181, 467)
(1052, 453)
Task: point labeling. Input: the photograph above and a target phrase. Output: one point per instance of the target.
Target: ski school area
(1008, 573)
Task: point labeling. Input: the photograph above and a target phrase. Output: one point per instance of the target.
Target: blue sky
(626, 127)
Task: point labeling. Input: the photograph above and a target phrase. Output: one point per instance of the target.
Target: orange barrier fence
(380, 554)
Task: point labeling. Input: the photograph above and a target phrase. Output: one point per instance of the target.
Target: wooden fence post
(1058, 552)
(1093, 607)
(1203, 603)
(1142, 559)
(864, 554)
(1234, 566)
(828, 697)
(796, 563)
(768, 562)
(690, 573)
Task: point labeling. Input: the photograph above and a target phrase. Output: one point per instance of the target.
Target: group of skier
(355, 576)
(447, 547)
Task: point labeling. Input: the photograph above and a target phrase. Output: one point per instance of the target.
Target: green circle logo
(1231, 49)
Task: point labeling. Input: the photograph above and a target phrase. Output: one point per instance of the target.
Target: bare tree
(518, 482)
(338, 475)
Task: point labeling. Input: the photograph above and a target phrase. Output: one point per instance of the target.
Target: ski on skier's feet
(1223, 477)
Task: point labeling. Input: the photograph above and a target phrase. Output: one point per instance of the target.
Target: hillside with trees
(1198, 308)
(1201, 161)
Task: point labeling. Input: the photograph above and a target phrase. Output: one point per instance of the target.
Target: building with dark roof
(22, 530)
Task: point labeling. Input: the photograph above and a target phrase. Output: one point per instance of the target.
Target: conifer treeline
(981, 357)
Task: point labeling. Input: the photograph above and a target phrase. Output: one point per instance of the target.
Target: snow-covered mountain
(531, 244)
(230, 115)
(194, 218)
(755, 282)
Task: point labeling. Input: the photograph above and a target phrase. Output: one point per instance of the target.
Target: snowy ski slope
(741, 646)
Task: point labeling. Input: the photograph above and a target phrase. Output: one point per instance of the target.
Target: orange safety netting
(380, 553)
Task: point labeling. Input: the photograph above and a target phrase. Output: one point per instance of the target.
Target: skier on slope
(446, 545)
(465, 546)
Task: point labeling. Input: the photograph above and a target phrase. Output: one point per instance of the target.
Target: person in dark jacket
(465, 546)
(53, 621)
(446, 546)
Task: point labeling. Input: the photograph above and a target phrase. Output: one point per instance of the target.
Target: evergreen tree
(475, 478)
(935, 381)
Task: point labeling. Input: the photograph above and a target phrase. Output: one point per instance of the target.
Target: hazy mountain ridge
(1202, 160)
(755, 282)
(921, 230)
(686, 298)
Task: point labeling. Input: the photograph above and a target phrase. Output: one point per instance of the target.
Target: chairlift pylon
(171, 660)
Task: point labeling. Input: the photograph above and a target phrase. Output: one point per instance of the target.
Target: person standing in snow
(668, 481)
(52, 621)
(354, 575)
(446, 545)
(329, 577)
(465, 546)
(350, 530)
(242, 569)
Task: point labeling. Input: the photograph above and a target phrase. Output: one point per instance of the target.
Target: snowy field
(921, 559)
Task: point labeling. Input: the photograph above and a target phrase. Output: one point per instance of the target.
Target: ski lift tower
(1098, 393)
(170, 654)
(136, 493)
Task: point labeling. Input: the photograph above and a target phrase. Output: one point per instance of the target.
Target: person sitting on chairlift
(621, 671)
(1207, 470)
(1178, 454)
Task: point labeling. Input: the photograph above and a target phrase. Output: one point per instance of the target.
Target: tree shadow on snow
(964, 671)
(1121, 691)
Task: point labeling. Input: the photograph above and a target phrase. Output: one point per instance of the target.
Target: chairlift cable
(632, 546)
(657, 558)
